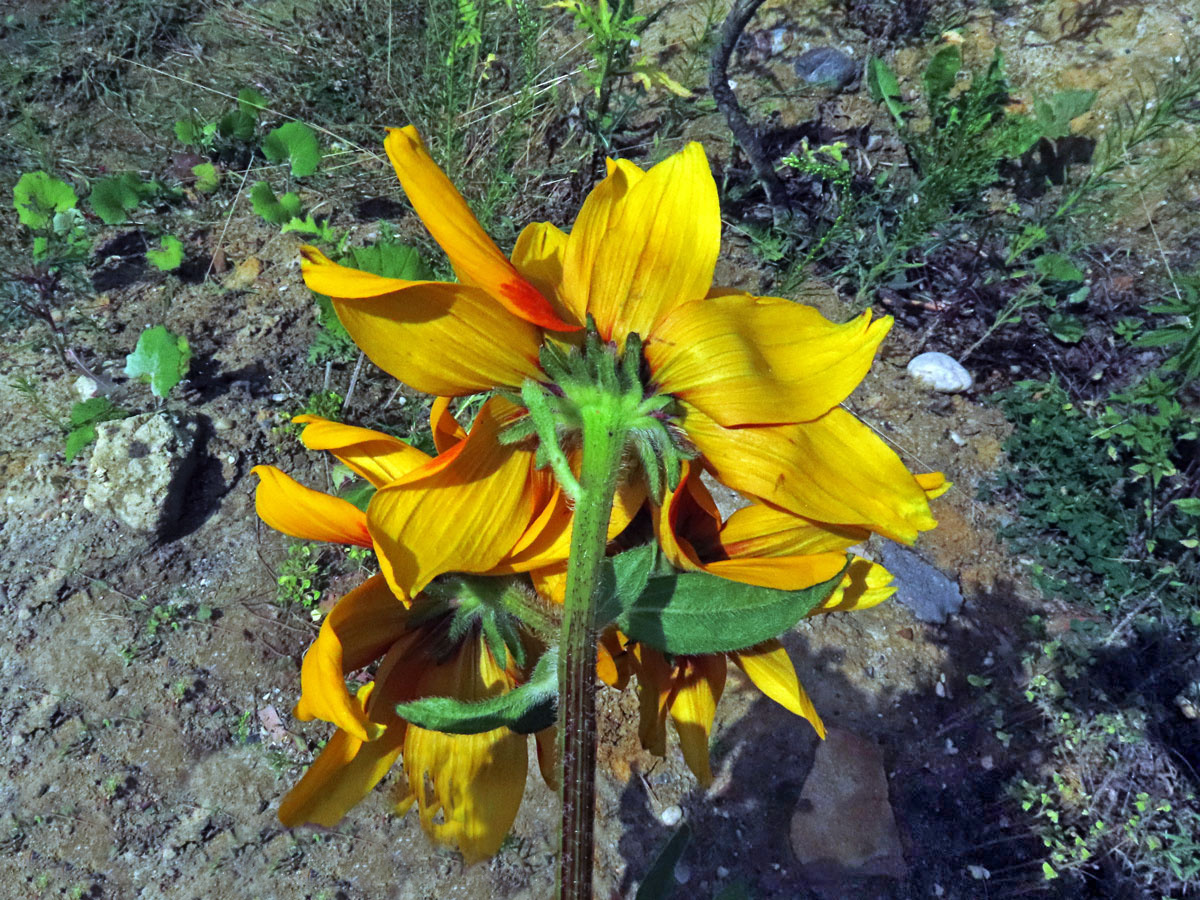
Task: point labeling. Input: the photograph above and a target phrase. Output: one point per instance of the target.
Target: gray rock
(930, 595)
(139, 470)
(827, 66)
(844, 827)
(940, 372)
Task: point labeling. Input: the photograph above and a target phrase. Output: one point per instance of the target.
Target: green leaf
(251, 102)
(1068, 329)
(1054, 115)
(359, 494)
(237, 124)
(694, 612)
(885, 89)
(531, 707)
(391, 261)
(296, 142)
(93, 410)
(207, 177)
(161, 358)
(940, 74)
(77, 439)
(309, 225)
(170, 257)
(623, 578)
(660, 883)
(113, 198)
(188, 132)
(1057, 267)
(277, 210)
(37, 196)
(1189, 506)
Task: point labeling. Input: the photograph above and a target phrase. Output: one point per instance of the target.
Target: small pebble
(683, 874)
(827, 66)
(671, 816)
(940, 372)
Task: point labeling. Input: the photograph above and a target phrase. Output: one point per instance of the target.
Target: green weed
(300, 579)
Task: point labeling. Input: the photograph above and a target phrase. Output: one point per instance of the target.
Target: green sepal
(694, 613)
(531, 707)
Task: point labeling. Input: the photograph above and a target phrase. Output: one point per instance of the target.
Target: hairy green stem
(604, 432)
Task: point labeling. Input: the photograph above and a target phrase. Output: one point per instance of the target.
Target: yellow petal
(475, 257)
(760, 530)
(698, 683)
(449, 339)
(864, 585)
(547, 756)
(645, 246)
(833, 469)
(360, 628)
(600, 207)
(761, 360)
(612, 659)
(686, 518)
(654, 696)
(464, 516)
(342, 775)
(784, 573)
(290, 507)
(447, 433)
(770, 668)
(474, 781)
(373, 455)
(934, 484)
(538, 256)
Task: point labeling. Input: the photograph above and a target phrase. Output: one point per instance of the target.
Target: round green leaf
(296, 142)
(37, 196)
(161, 358)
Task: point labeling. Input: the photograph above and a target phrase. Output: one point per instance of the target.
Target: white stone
(671, 816)
(940, 372)
(86, 387)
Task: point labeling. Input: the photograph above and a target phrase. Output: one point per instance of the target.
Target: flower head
(755, 382)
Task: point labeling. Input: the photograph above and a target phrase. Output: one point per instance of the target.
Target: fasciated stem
(604, 433)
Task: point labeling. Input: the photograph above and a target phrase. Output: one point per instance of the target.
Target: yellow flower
(467, 788)
(757, 545)
(757, 380)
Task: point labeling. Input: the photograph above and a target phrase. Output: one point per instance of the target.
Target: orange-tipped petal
(359, 629)
(687, 522)
(538, 256)
(475, 257)
(290, 507)
(833, 469)
(464, 516)
(344, 773)
(698, 684)
(864, 585)
(783, 573)
(770, 668)
(373, 455)
(449, 339)
(761, 360)
(650, 245)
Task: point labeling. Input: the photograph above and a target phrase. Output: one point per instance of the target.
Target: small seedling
(161, 357)
(296, 143)
(37, 196)
(169, 257)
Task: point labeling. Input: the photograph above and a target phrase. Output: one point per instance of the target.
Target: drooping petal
(538, 256)
(464, 516)
(449, 339)
(612, 659)
(770, 668)
(864, 585)
(547, 756)
(474, 781)
(654, 696)
(447, 432)
(475, 257)
(657, 249)
(360, 628)
(290, 507)
(346, 770)
(833, 469)
(373, 455)
(601, 208)
(761, 360)
(687, 522)
(698, 684)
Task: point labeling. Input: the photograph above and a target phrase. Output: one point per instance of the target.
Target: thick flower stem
(604, 432)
